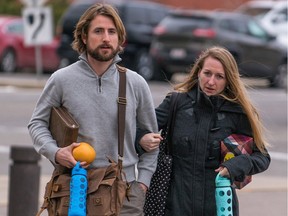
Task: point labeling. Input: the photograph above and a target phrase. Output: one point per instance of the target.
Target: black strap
(121, 113)
(171, 120)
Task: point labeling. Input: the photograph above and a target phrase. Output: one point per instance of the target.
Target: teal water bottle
(78, 191)
(223, 195)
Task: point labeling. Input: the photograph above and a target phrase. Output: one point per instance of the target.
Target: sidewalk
(23, 80)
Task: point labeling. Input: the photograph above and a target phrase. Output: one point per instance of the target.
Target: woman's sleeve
(244, 164)
(162, 112)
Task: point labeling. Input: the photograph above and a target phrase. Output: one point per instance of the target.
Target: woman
(215, 105)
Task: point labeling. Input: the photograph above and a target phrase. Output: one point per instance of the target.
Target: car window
(234, 26)
(15, 27)
(256, 11)
(136, 15)
(156, 15)
(144, 15)
(255, 30)
(244, 26)
(182, 23)
(71, 17)
(281, 16)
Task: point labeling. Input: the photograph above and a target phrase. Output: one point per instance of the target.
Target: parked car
(181, 36)
(273, 15)
(14, 55)
(139, 18)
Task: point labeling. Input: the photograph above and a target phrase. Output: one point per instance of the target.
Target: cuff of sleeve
(237, 172)
(144, 176)
(50, 153)
(139, 134)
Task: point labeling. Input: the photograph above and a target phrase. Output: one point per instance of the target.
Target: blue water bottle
(223, 195)
(78, 191)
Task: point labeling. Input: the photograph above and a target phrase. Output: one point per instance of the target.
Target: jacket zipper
(100, 85)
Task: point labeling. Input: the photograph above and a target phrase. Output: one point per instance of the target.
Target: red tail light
(206, 33)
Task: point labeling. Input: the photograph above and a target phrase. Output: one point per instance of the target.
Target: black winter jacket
(201, 123)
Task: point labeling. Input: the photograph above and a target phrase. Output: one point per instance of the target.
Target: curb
(39, 81)
(23, 81)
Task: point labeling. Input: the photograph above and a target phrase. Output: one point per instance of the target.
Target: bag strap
(121, 113)
(122, 101)
(171, 120)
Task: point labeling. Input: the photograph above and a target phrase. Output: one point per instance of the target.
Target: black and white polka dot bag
(160, 182)
(158, 190)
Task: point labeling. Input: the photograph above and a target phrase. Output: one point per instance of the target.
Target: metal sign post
(38, 59)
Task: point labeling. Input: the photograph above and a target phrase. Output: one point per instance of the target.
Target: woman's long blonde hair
(235, 89)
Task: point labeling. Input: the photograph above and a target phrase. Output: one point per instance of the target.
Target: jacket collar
(83, 57)
(216, 102)
(111, 69)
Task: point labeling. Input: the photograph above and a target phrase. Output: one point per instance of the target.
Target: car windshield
(71, 17)
(256, 11)
(182, 23)
(140, 15)
(256, 30)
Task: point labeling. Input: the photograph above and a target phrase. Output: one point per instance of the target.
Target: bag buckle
(128, 191)
(122, 100)
(57, 187)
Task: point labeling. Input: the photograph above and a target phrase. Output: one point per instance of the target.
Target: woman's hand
(223, 171)
(150, 141)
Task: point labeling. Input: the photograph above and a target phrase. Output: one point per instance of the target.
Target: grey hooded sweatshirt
(92, 101)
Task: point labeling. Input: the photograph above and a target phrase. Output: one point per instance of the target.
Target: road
(17, 105)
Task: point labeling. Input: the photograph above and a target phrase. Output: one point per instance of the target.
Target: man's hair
(83, 25)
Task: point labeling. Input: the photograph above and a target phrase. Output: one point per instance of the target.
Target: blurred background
(164, 37)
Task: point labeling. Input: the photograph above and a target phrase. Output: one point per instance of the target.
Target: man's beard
(96, 54)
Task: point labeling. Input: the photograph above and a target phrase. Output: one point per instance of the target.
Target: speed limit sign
(38, 28)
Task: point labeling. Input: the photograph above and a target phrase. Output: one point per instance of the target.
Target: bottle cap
(78, 170)
(222, 181)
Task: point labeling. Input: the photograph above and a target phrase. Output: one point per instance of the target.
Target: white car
(272, 15)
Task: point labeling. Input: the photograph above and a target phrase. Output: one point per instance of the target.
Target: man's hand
(143, 187)
(150, 141)
(64, 156)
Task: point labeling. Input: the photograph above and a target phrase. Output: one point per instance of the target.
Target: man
(89, 90)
